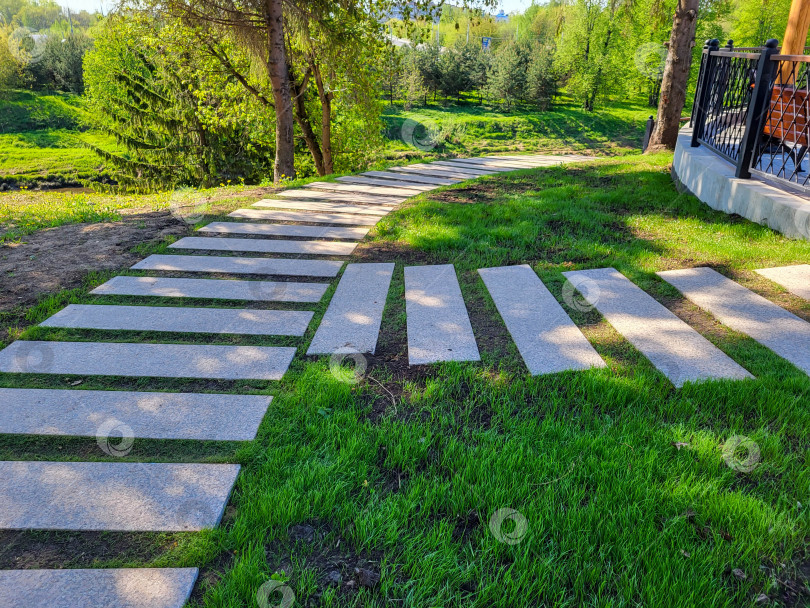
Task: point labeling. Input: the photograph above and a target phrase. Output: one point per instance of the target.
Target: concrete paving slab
(361, 208)
(440, 172)
(201, 243)
(796, 279)
(473, 171)
(498, 167)
(746, 312)
(215, 362)
(387, 183)
(438, 326)
(547, 338)
(119, 587)
(397, 177)
(111, 415)
(322, 232)
(239, 265)
(460, 164)
(183, 320)
(303, 216)
(215, 289)
(344, 197)
(672, 346)
(360, 189)
(355, 313)
(113, 496)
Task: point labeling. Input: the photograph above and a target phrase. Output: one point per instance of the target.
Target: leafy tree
(61, 65)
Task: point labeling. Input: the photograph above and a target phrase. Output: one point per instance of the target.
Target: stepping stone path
(113, 496)
(672, 346)
(548, 340)
(322, 232)
(128, 496)
(746, 312)
(796, 279)
(239, 265)
(83, 413)
(200, 243)
(215, 289)
(438, 326)
(119, 588)
(354, 316)
(190, 320)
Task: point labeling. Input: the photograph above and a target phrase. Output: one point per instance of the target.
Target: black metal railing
(752, 109)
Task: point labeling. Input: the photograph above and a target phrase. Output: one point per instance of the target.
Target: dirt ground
(59, 258)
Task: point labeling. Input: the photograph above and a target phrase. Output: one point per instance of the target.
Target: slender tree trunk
(676, 77)
(304, 123)
(280, 79)
(326, 119)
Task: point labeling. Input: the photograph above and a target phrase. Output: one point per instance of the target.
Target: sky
(93, 5)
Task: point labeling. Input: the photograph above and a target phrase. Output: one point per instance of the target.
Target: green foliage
(60, 68)
(159, 89)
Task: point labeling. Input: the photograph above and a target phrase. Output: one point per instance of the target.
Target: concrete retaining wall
(711, 179)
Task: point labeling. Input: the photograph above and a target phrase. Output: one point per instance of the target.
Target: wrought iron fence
(752, 109)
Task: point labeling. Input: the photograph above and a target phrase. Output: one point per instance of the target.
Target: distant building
(502, 17)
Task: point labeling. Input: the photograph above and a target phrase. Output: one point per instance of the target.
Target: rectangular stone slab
(215, 289)
(363, 208)
(796, 279)
(107, 588)
(432, 170)
(200, 243)
(360, 189)
(547, 338)
(217, 362)
(474, 170)
(113, 496)
(240, 265)
(501, 162)
(397, 177)
(341, 197)
(672, 346)
(439, 328)
(303, 216)
(490, 168)
(746, 312)
(323, 232)
(184, 320)
(137, 415)
(386, 183)
(352, 321)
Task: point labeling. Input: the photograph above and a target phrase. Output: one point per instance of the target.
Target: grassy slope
(407, 471)
(42, 138)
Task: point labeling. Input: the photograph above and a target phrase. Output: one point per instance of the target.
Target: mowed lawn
(619, 478)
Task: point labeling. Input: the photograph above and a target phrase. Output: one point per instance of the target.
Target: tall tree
(676, 76)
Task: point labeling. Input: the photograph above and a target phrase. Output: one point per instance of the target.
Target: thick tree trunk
(675, 77)
(280, 79)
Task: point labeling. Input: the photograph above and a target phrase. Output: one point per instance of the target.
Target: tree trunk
(304, 123)
(280, 79)
(326, 119)
(676, 77)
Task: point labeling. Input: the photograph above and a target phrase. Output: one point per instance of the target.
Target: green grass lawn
(620, 478)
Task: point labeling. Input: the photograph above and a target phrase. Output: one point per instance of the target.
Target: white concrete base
(711, 179)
